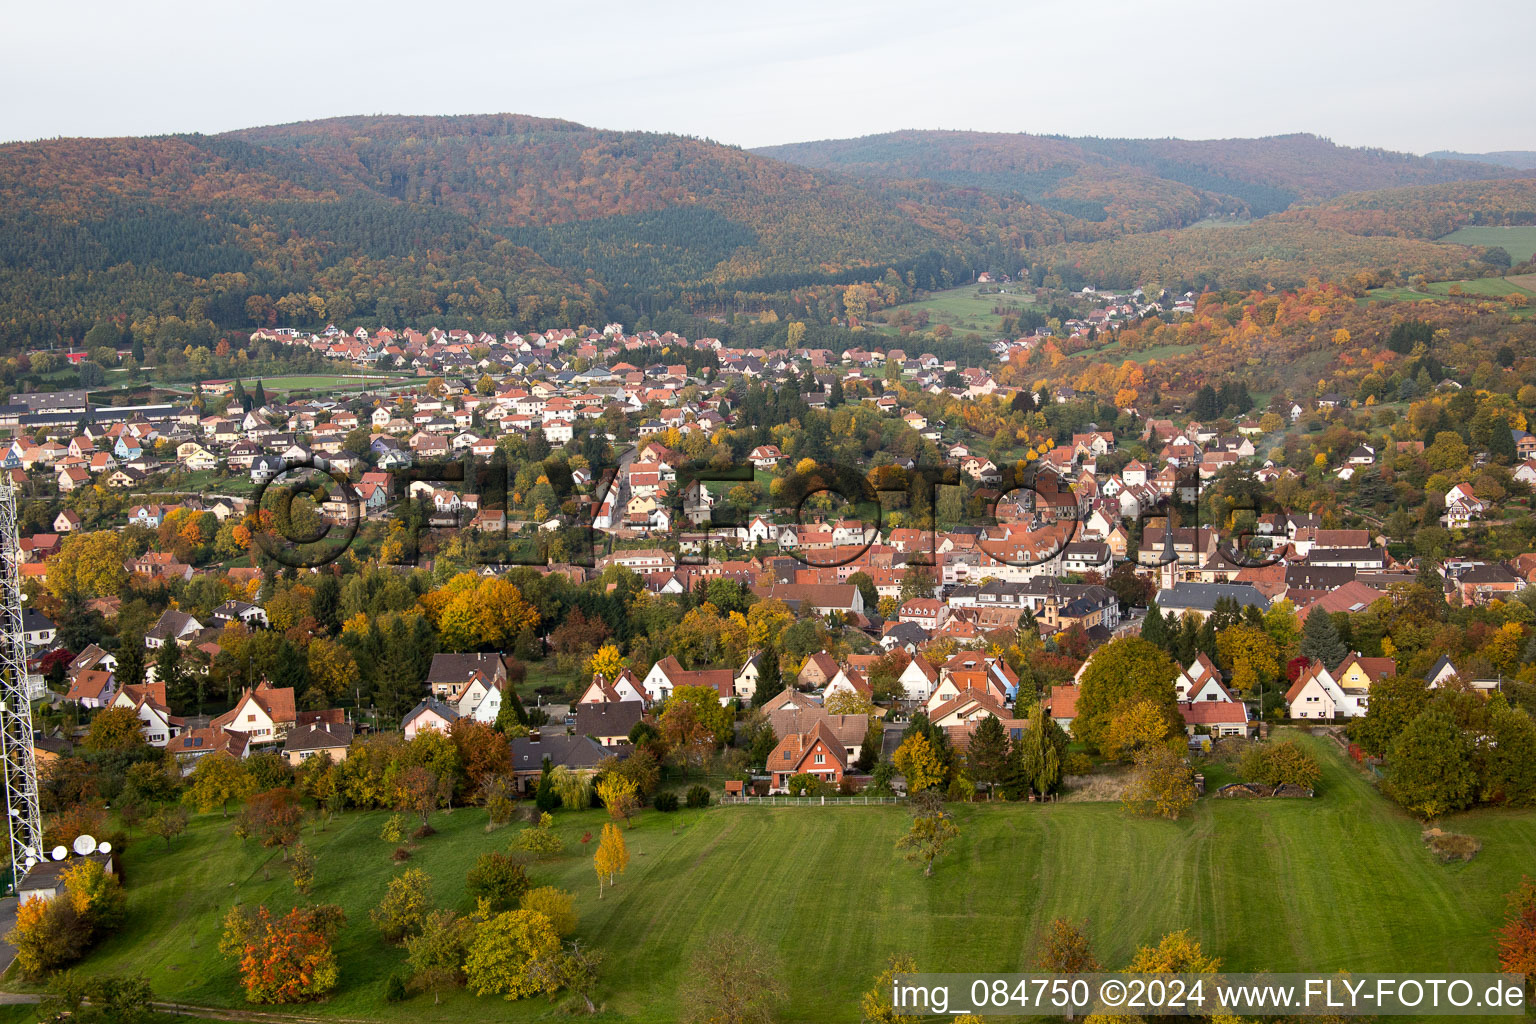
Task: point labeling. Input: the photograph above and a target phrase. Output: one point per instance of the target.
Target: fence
(810, 801)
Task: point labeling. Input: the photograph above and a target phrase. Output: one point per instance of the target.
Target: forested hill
(1170, 182)
(496, 219)
(504, 221)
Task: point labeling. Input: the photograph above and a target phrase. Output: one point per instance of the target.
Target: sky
(1405, 75)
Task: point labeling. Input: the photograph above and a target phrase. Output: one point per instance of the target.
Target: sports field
(1341, 881)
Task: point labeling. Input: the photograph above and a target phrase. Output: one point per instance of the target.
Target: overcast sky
(1404, 74)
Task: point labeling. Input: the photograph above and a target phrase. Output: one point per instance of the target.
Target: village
(1075, 546)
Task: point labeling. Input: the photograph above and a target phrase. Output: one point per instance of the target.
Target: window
(786, 755)
(821, 758)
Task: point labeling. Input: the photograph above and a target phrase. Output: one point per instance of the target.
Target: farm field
(1485, 287)
(963, 309)
(826, 879)
(1519, 242)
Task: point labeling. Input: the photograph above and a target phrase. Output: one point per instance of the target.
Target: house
(148, 704)
(431, 713)
(918, 679)
(668, 674)
(252, 615)
(1061, 705)
(608, 723)
(1358, 673)
(580, 754)
(450, 674)
(1201, 681)
(173, 624)
(92, 688)
(825, 598)
(66, 521)
(1316, 694)
(819, 670)
(194, 744)
(265, 713)
(817, 752)
(37, 629)
(1199, 599)
(623, 687)
(1216, 718)
(316, 738)
(1462, 506)
(765, 456)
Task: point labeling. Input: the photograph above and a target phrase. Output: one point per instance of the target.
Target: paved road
(7, 922)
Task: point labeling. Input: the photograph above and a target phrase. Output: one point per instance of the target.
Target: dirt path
(208, 1012)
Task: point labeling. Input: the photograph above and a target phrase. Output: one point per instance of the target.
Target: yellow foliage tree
(612, 858)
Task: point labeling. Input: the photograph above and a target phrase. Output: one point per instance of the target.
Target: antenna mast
(17, 760)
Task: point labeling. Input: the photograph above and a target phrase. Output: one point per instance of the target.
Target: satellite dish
(31, 863)
(60, 852)
(85, 845)
(104, 848)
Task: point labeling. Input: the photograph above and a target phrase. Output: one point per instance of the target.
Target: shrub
(48, 935)
(393, 830)
(423, 832)
(497, 879)
(394, 989)
(1077, 763)
(1449, 846)
(401, 855)
(540, 840)
(698, 796)
(665, 802)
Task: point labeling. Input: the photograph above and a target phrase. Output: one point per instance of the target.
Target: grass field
(1519, 242)
(1341, 881)
(335, 382)
(1486, 287)
(964, 309)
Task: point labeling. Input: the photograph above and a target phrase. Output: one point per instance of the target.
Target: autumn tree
(1120, 673)
(167, 823)
(732, 979)
(302, 867)
(504, 950)
(115, 729)
(930, 835)
(273, 817)
(556, 904)
(875, 1006)
(498, 880)
(88, 565)
(1162, 783)
(1063, 948)
(919, 763)
(618, 794)
(1134, 726)
(403, 910)
(215, 781)
(1431, 766)
(435, 957)
(612, 857)
(418, 790)
(286, 959)
(1517, 936)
